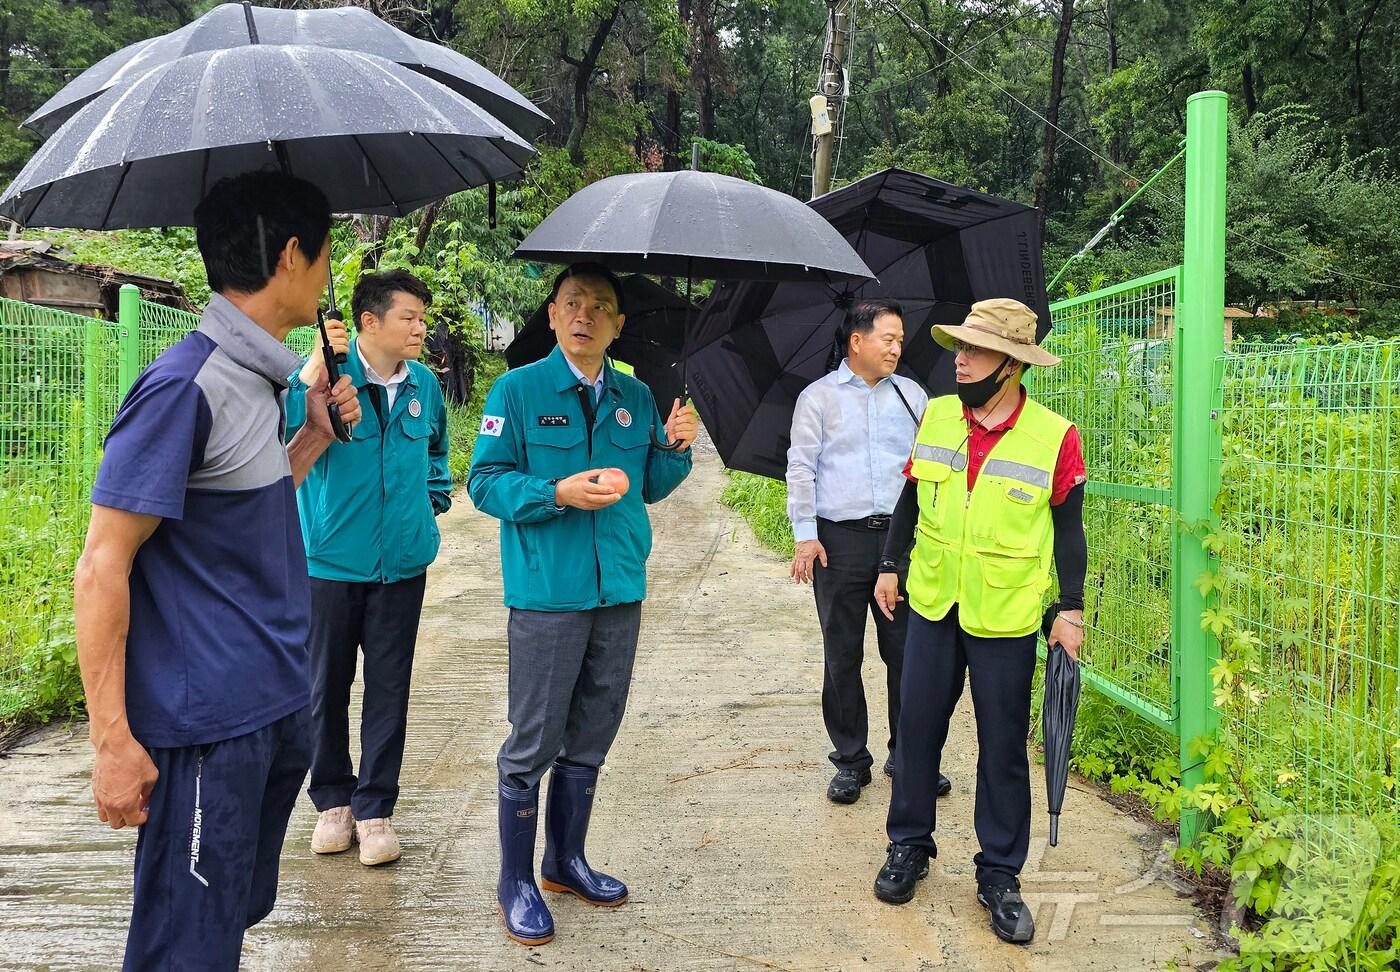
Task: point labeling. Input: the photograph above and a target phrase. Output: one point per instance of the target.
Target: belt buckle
(880, 521)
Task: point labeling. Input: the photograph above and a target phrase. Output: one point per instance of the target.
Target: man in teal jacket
(573, 556)
(367, 511)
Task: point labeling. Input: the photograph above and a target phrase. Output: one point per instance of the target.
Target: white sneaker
(378, 842)
(334, 831)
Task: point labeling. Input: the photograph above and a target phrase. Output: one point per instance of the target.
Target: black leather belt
(878, 523)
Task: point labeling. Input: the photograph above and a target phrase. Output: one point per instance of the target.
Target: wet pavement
(712, 808)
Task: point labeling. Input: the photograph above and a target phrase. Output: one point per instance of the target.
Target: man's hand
(122, 780)
(683, 425)
(887, 594)
(579, 492)
(804, 559)
(1068, 636)
(317, 399)
(316, 363)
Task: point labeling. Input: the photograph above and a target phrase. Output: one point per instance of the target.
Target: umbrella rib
(112, 202)
(44, 194)
(377, 174)
(452, 165)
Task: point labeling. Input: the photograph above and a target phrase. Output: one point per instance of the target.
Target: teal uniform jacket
(533, 431)
(367, 506)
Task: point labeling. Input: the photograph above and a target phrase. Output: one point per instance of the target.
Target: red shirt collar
(1011, 419)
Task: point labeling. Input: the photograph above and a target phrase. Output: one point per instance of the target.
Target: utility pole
(831, 89)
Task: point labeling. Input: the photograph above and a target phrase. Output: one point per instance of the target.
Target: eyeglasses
(962, 347)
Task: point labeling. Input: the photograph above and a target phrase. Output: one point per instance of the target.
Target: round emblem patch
(414, 408)
(624, 418)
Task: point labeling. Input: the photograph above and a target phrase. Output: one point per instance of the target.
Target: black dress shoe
(889, 767)
(845, 785)
(1011, 919)
(945, 785)
(905, 867)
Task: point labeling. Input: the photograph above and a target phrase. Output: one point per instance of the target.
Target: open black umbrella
(650, 340)
(374, 136)
(693, 224)
(933, 246)
(1062, 683)
(346, 28)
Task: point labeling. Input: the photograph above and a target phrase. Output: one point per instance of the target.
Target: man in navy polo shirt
(192, 599)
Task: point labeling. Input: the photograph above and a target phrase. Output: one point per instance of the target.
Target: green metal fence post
(1199, 343)
(129, 338)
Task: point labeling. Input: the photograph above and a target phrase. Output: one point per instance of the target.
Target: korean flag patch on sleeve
(492, 425)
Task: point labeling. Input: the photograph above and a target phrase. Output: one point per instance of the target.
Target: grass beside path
(762, 502)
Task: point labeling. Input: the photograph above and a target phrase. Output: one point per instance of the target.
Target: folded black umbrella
(1062, 684)
(346, 28)
(374, 136)
(933, 246)
(650, 342)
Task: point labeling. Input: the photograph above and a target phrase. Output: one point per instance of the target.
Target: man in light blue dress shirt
(852, 433)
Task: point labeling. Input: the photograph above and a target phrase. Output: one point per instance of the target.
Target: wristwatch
(553, 483)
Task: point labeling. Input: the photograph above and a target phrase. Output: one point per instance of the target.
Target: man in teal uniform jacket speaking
(573, 556)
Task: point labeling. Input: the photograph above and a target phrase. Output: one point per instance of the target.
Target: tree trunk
(671, 137)
(425, 225)
(1052, 115)
(378, 233)
(889, 130)
(583, 80)
(1251, 103)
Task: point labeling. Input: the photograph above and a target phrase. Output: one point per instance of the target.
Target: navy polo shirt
(220, 601)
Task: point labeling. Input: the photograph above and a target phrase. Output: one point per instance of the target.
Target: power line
(910, 22)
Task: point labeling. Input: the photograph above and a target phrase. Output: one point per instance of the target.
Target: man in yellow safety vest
(996, 492)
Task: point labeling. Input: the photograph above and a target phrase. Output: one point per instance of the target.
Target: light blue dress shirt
(849, 446)
(583, 379)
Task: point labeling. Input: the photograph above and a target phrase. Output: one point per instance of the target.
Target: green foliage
(763, 504)
(167, 253)
(41, 535)
(464, 423)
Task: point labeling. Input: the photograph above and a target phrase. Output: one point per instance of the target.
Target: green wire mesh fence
(1115, 384)
(62, 377)
(1309, 551)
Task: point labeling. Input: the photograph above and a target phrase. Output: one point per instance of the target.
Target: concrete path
(712, 808)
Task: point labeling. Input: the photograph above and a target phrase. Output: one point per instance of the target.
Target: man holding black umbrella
(559, 444)
(191, 597)
(996, 488)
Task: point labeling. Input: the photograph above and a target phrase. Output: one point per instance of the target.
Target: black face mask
(975, 394)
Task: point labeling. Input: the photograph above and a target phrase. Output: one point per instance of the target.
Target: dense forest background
(959, 89)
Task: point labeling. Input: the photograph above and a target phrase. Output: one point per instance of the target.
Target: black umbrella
(650, 341)
(1062, 683)
(374, 136)
(693, 224)
(933, 246)
(346, 28)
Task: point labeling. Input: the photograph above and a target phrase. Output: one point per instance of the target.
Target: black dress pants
(845, 593)
(381, 620)
(938, 656)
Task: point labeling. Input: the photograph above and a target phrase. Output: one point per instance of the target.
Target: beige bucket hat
(1000, 324)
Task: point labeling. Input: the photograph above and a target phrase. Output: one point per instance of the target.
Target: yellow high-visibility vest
(989, 551)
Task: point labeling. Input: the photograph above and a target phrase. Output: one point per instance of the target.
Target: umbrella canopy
(374, 136)
(650, 341)
(695, 225)
(347, 28)
(935, 247)
(1062, 682)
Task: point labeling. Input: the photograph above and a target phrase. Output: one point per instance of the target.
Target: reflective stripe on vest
(989, 551)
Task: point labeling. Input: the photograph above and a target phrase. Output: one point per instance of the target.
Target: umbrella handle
(668, 446)
(332, 376)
